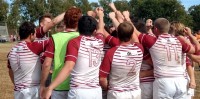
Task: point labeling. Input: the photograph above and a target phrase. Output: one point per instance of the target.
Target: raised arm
(115, 22)
(52, 23)
(101, 24)
(196, 46)
(119, 15)
(127, 18)
(91, 13)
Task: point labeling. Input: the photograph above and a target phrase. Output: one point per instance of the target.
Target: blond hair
(178, 28)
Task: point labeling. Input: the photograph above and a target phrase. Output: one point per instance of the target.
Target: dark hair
(139, 24)
(46, 15)
(125, 31)
(72, 15)
(87, 25)
(114, 33)
(25, 29)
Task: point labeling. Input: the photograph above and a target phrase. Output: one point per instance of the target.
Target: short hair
(25, 29)
(87, 25)
(71, 17)
(125, 31)
(139, 24)
(162, 25)
(46, 15)
(177, 28)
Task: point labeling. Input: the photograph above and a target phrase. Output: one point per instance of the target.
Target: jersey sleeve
(72, 50)
(49, 52)
(39, 32)
(112, 41)
(100, 36)
(147, 40)
(146, 54)
(106, 63)
(188, 62)
(185, 47)
(38, 47)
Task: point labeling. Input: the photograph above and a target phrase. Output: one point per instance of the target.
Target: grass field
(6, 86)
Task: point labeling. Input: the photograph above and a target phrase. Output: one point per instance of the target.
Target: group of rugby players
(130, 60)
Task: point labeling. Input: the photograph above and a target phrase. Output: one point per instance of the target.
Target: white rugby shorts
(147, 90)
(59, 94)
(136, 94)
(94, 93)
(28, 93)
(170, 88)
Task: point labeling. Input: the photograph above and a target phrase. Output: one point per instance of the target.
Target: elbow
(103, 83)
(46, 66)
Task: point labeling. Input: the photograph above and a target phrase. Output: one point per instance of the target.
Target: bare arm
(45, 70)
(119, 16)
(190, 71)
(112, 6)
(101, 23)
(114, 20)
(193, 39)
(104, 83)
(146, 73)
(63, 74)
(55, 21)
(127, 18)
(195, 58)
(11, 75)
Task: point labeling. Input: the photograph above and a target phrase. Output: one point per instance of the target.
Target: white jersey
(25, 65)
(168, 57)
(125, 68)
(85, 73)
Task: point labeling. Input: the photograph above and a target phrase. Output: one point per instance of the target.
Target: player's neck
(125, 43)
(28, 39)
(71, 29)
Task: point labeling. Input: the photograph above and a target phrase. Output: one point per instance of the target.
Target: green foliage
(14, 15)
(104, 4)
(3, 10)
(84, 5)
(31, 10)
(122, 5)
(195, 14)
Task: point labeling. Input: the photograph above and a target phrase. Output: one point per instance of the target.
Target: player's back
(125, 68)
(25, 65)
(85, 73)
(167, 57)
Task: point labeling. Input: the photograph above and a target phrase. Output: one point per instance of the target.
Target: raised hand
(99, 12)
(187, 31)
(126, 15)
(112, 15)
(112, 6)
(91, 13)
(149, 23)
(119, 16)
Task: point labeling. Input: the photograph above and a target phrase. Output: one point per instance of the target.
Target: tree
(194, 12)
(84, 5)
(31, 10)
(14, 18)
(122, 5)
(94, 5)
(104, 4)
(170, 9)
(3, 10)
